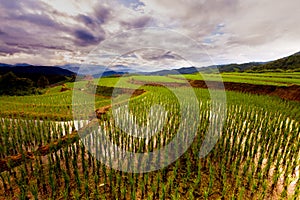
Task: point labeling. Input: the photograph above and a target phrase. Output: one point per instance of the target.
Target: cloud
(245, 25)
(228, 30)
(6, 50)
(137, 22)
(85, 38)
(38, 19)
(87, 21)
(102, 13)
(28, 27)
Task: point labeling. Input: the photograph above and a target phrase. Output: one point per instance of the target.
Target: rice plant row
(257, 155)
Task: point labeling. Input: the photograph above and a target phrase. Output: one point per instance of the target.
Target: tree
(10, 84)
(43, 82)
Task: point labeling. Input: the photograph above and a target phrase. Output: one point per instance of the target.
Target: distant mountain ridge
(291, 62)
(33, 72)
(5, 65)
(183, 70)
(95, 70)
(43, 70)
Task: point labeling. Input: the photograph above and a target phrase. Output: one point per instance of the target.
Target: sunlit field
(270, 78)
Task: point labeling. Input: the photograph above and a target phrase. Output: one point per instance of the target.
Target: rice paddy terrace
(45, 154)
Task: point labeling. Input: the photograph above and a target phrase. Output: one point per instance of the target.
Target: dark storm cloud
(28, 27)
(92, 32)
(32, 24)
(85, 38)
(38, 27)
(20, 39)
(86, 19)
(23, 32)
(90, 21)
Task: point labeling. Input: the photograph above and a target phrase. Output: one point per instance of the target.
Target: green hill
(290, 63)
(10, 84)
(238, 67)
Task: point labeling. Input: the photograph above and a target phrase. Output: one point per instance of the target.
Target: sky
(150, 34)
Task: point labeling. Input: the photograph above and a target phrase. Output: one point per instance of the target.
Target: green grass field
(164, 79)
(256, 155)
(283, 79)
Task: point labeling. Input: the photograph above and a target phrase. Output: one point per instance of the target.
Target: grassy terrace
(165, 79)
(54, 104)
(256, 156)
(59, 104)
(283, 79)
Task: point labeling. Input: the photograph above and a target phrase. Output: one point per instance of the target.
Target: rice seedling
(257, 151)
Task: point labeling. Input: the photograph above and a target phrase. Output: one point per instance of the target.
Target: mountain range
(291, 63)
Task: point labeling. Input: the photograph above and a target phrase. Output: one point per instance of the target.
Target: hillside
(291, 63)
(96, 71)
(53, 74)
(233, 67)
(10, 84)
